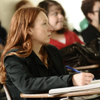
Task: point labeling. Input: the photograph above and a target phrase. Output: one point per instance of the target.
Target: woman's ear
(30, 31)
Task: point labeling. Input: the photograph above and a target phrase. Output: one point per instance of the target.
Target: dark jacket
(30, 75)
(90, 33)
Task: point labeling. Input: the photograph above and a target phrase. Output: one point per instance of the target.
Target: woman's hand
(82, 79)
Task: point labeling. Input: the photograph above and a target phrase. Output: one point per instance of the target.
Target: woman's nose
(50, 28)
(61, 16)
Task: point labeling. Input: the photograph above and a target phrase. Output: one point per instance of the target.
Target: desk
(87, 67)
(71, 94)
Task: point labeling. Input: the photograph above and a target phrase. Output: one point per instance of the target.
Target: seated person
(29, 64)
(23, 3)
(61, 36)
(90, 8)
(3, 35)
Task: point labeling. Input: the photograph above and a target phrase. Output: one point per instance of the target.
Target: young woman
(28, 63)
(61, 36)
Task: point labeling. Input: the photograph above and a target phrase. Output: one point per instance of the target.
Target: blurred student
(23, 4)
(61, 35)
(3, 35)
(28, 63)
(90, 9)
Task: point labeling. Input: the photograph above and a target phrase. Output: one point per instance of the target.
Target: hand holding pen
(81, 78)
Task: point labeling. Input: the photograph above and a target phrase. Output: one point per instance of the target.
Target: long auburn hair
(18, 36)
(46, 4)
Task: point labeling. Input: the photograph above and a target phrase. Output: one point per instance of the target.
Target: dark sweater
(30, 75)
(90, 33)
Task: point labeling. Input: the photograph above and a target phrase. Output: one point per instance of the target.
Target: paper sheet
(94, 84)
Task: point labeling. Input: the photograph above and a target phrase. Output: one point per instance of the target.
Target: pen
(75, 70)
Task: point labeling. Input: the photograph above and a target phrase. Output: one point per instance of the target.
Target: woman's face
(41, 32)
(56, 19)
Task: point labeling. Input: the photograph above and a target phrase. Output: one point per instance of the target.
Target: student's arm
(21, 77)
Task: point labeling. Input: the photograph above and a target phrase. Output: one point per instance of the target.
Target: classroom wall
(72, 8)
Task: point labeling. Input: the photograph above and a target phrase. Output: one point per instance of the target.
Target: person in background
(3, 35)
(61, 35)
(90, 9)
(29, 64)
(23, 3)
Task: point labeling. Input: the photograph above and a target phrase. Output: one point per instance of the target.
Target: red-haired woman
(28, 63)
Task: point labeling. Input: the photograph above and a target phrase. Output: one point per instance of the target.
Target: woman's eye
(44, 23)
(55, 13)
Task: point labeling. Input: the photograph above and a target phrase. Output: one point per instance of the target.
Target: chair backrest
(8, 96)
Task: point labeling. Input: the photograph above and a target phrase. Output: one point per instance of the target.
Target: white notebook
(94, 84)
